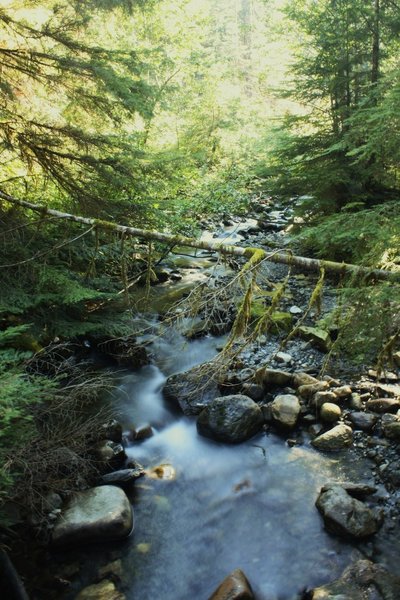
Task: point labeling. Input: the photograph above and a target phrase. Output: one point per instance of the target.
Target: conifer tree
(65, 98)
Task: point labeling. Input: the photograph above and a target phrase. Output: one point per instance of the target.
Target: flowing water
(221, 507)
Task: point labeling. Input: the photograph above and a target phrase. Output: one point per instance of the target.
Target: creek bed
(249, 506)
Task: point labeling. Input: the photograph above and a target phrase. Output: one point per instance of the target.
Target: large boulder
(233, 587)
(362, 580)
(95, 515)
(337, 438)
(231, 419)
(344, 515)
(193, 390)
(285, 410)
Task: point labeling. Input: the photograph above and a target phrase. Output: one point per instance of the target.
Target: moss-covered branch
(254, 255)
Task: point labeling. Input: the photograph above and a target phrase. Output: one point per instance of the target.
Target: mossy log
(254, 255)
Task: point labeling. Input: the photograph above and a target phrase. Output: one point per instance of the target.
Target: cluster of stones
(363, 580)
(264, 398)
(332, 414)
(102, 513)
(329, 410)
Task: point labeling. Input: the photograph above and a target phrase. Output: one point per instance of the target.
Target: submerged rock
(231, 419)
(99, 514)
(234, 587)
(337, 438)
(344, 515)
(362, 580)
(285, 410)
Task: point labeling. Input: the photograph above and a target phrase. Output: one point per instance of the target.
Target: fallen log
(254, 255)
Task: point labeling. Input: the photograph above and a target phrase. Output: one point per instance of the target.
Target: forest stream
(204, 508)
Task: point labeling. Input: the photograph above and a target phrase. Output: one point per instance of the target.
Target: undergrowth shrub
(368, 311)
(46, 421)
(370, 237)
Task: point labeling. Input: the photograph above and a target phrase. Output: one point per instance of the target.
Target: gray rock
(346, 516)
(317, 337)
(253, 391)
(123, 476)
(321, 397)
(193, 390)
(96, 515)
(308, 390)
(112, 430)
(295, 310)
(109, 452)
(233, 587)
(357, 490)
(362, 580)
(231, 419)
(356, 401)
(330, 413)
(392, 431)
(52, 501)
(303, 379)
(283, 357)
(285, 410)
(383, 375)
(344, 391)
(362, 420)
(273, 377)
(337, 438)
(383, 405)
(388, 388)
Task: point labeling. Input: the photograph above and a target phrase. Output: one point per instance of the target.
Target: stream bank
(249, 505)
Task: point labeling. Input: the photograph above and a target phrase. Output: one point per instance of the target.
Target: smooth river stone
(98, 514)
(234, 587)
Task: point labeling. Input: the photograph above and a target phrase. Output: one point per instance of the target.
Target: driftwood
(254, 255)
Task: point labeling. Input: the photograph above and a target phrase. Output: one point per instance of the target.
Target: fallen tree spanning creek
(254, 255)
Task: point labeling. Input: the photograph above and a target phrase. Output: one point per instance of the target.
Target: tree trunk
(376, 43)
(254, 255)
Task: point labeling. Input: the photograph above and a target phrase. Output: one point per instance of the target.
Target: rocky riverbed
(271, 465)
